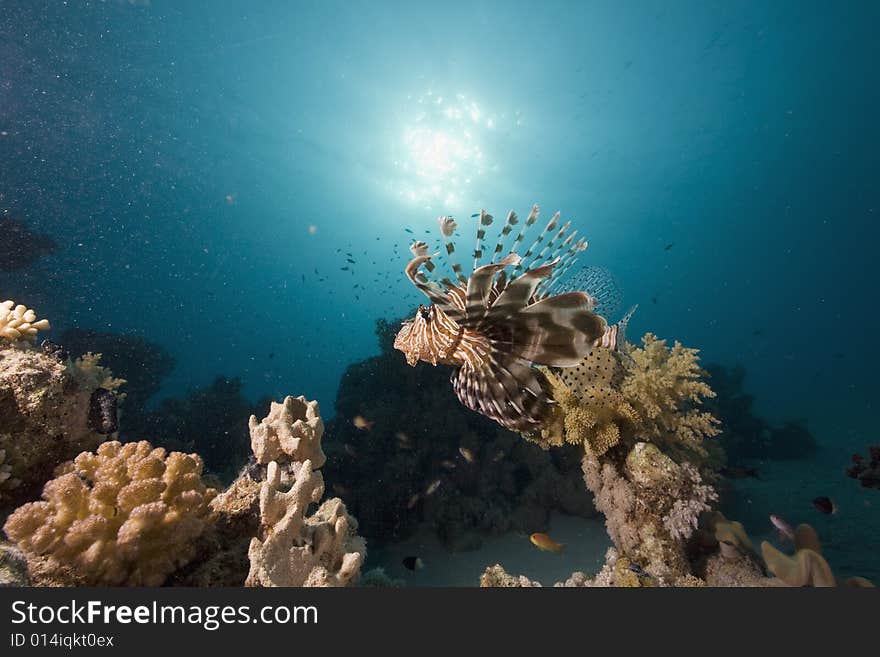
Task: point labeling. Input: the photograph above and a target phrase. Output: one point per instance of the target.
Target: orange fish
(361, 423)
(544, 542)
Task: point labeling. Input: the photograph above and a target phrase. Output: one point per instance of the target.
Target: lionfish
(494, 327)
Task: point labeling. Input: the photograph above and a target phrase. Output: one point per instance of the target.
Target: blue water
(198, 162)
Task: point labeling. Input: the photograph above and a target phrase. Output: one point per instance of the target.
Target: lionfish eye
(425, 313)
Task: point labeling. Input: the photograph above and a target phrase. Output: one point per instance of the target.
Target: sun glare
(441, 152)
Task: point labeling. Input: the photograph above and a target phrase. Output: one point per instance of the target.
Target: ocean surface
(239, 182)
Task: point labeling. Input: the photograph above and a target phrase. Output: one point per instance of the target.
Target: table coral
(44, 415)
(126, 514)
(296, 549)
(19, 323)
(291, 432)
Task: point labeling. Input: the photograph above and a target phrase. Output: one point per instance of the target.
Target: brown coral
(127, 514)
(807, 566)
(301, 550)
(44, 416)
(496, 577)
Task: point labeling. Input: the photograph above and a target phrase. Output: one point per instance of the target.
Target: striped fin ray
(448, 226)
(565, 263)
(614, 337)
(512, 220)
(431, 289)
(530, 220)
(551, 226)
(419, 248)
(508, 391)
(486, 220)
(556, 242)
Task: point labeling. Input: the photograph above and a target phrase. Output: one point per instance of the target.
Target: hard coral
(301, 550)
(19, 323)
(127, 514)
(44, 416)
(291, 432)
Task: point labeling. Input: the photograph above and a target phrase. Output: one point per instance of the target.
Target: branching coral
(291, 432)
(127, 514)
(665, 387)
(17, 323)
(300, 550)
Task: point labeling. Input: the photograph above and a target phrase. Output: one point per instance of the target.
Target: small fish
(413, 500)
(403, 440)
(346, 268)
(413, 563)
(669, 246)
(825, 505)
(498, 456)
(466, 454)
(271, 355)
(362, 424)
(782, 526)
(475, 215)
(432, 487)
(446, 463)
(408, 230)
(739, 472)
(350, 260)
(545, 543)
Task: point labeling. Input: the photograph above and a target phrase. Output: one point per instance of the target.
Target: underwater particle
(432, 487)
(313, 229)
(413, 500)
(54, 350)
(466, 454)
(545, 543)
(498, 456)
(824, 505)
(103, 411)
(446, 463)
(349, 450)
(669, 246)
(403, 441)
(413, 563)
(361, 423)
(785, 530)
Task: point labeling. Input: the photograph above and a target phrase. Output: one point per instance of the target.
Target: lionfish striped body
(493, 327)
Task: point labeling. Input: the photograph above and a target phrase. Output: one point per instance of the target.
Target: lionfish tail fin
(509, 391)
(614, 337)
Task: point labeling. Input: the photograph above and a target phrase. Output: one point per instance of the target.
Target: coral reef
(498, 482)
(13, 566)
(866, 470)
(648, 455)
(20, 247)
(496, 577)
(18, 323)
(296, 549)
(44, 416)
(126, 514)
(807, 566)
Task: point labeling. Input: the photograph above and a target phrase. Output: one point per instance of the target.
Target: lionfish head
(420, 338)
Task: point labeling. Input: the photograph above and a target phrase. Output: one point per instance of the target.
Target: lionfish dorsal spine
(549, 228)
(549, 248)
(512, 220)
(448, 227)
(486, 220)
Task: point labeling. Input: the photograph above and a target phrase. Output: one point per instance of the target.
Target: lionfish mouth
(494, 325)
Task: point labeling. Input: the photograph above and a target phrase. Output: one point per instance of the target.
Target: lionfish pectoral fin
(558, 331)
(480, 285)
(614, 336)
(519, 291)
(512, 393)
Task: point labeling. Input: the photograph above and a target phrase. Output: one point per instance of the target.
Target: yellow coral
(664, 386)
(90, 373)
(17, 322)
(127, 514)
